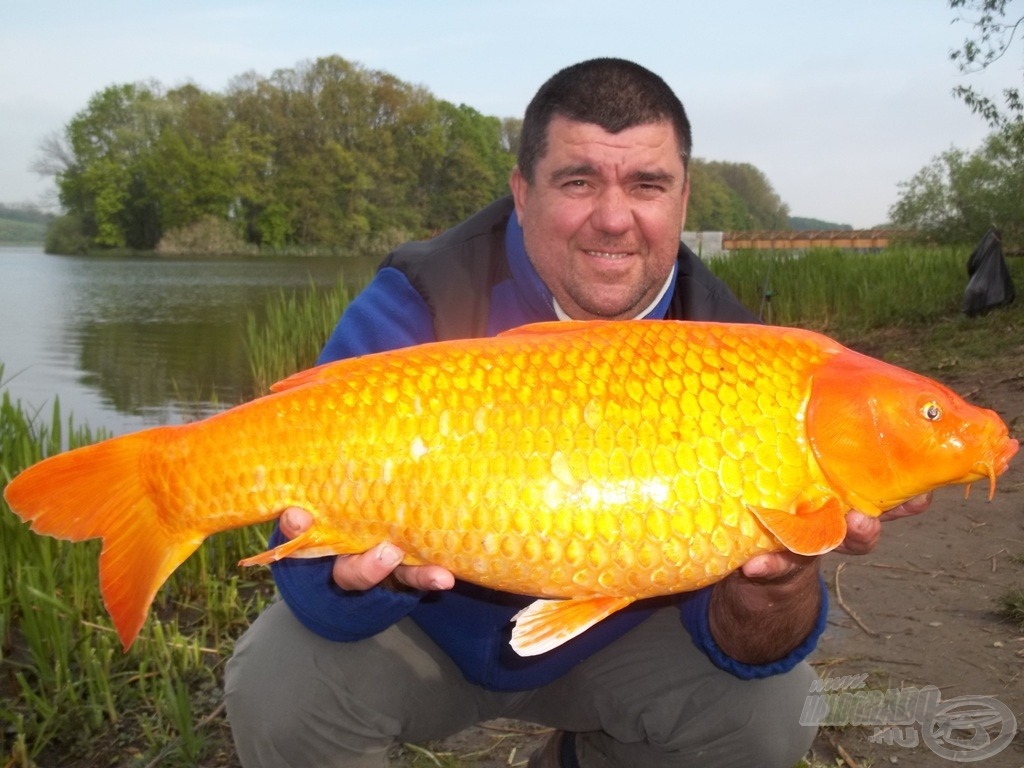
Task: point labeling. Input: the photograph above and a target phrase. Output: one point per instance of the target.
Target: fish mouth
(994, 467)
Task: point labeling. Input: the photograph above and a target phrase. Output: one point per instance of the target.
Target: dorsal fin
(316, 375)
(549, 327)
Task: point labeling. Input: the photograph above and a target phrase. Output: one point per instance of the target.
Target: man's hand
(358, 572)
(768, 607)
(862, 535)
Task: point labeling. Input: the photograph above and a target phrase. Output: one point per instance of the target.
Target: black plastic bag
(990, 285)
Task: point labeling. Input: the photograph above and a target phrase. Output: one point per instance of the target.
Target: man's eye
(650, 189)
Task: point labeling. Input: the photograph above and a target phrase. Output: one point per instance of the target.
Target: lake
(130, 342)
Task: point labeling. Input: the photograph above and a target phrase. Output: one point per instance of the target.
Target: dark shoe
(559, 751)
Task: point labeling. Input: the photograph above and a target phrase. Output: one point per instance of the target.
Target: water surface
(129, 342)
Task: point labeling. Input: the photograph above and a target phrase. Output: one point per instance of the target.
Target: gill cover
(883, 435)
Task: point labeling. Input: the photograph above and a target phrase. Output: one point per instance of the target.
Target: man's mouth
(609, 255)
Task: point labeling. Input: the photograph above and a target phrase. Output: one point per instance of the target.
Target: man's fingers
(425, 577)
(914, 506)
(294, 521)
(775, 566)
(368, 569)
(862, 534)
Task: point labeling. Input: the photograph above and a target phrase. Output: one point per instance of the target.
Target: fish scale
(452, 469)
(587, 464)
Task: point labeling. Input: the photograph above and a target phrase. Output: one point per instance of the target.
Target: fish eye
(931, 411)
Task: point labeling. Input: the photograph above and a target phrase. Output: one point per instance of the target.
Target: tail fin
(100, 491)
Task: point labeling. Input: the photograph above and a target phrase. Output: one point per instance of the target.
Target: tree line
(327, 153)
(959, 194)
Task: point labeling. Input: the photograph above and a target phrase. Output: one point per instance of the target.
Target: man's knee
(258, 699)
(285, 708)
(728, 722)
(766, 721)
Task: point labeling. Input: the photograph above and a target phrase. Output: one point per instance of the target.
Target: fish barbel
(588, 464)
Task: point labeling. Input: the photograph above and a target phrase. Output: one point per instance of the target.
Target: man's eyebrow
(657, 176)
(584, 170)
(573, 171)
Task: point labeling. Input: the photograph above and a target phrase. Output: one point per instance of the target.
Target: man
(364, 651)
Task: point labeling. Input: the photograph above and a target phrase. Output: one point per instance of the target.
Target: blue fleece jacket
(472, 624)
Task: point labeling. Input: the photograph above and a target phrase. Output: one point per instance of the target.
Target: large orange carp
(602, 462)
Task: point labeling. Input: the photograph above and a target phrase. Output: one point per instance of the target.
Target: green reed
(67, 685)
(292, 332)
(828, 289)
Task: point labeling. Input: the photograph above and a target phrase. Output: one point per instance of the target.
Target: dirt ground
(921, 610)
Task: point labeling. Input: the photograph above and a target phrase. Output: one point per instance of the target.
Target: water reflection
(154, 369)
(131, 342)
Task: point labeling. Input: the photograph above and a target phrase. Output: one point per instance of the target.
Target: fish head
(883, 435)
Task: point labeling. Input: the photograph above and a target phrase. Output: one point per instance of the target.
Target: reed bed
(66, 687)
(69, 696)
(288, 338)
(833, 290)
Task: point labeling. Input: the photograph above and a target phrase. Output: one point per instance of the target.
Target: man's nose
(612, 211)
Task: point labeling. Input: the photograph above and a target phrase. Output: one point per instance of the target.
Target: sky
(836, 102)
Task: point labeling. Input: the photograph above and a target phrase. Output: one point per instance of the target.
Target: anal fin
(546, 624)
(309, 544)
(312, 544)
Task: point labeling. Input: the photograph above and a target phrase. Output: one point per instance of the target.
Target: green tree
(714, 205)
(191, 169)
(994, 31)
(733, 196)
(102, 178)
(764, 207)
(471, 169)
(959, 195)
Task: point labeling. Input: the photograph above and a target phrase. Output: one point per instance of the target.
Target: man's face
(603, 215)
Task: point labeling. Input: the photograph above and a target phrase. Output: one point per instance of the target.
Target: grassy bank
(69, 696)
(902, 304)
(842, 292)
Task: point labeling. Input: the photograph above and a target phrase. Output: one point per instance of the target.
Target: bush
(209, 236)
(66, 236)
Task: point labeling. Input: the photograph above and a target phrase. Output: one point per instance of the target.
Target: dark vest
(455, 272)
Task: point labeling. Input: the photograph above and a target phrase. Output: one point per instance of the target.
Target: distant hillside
(23, 224)
(802, 223)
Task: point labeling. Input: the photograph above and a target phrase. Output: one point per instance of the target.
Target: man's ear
(686, 200)
(520, 188)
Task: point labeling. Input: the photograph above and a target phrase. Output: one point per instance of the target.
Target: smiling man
(602, 214)
(364, 652)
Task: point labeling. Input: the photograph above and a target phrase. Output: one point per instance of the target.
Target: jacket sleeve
(388, 314)
(694, 609)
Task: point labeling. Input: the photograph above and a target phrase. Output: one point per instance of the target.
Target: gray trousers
(650, 699)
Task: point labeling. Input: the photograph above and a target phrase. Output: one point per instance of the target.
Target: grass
(843, 291)
(66, 686)
(1011, 607)
(902, 304)
(290, 336)
(70, 697)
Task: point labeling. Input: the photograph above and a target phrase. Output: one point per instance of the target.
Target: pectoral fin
(805, 531)
(546, 624)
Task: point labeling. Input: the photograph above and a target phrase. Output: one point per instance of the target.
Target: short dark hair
(615, 94)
